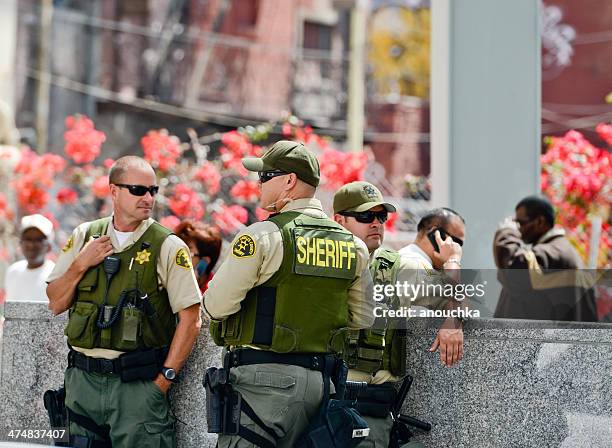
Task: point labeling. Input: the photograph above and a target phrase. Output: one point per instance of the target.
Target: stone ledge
(520, 383)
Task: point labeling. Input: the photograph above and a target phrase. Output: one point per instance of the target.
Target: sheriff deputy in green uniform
(287, 294)
(134, 317)
(379, 355)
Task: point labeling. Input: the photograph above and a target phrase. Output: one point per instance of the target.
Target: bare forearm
(61, 290)
(185, 335)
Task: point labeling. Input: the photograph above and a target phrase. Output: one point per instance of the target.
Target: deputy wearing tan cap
(284, 299)
(379, 355)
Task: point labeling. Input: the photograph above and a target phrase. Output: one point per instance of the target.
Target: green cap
(290, 157)
(359, 197)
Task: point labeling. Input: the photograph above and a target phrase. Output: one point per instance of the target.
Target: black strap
(245, 357)
(264, 320)
(248, 410)
(90, 425)
(254, 438)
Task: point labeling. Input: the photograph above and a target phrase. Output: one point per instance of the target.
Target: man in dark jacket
(539, 269)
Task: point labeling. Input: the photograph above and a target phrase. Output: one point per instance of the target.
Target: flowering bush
(212, 186)
(577, 178)
(83, 142)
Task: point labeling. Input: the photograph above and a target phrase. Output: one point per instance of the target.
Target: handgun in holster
(54, 401)
(222, 402)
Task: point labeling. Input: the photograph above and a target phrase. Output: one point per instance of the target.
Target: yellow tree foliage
(399, 44)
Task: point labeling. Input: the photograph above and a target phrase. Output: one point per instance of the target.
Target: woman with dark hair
(204, 242)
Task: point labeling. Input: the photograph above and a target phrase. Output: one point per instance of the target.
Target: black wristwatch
(169, 373)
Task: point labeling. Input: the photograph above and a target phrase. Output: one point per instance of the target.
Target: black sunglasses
(444, 234)
(140, 190)
(265, 176)
(369, 216)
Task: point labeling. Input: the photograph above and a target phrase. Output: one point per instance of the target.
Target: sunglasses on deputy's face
(265, 176)
(140, 190)
(368, 217)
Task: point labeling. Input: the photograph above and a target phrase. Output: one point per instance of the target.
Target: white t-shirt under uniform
(22, 283)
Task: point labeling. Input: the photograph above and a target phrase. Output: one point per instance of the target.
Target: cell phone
(432, 238)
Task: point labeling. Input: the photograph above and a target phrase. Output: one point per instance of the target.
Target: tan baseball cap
(37, 222)
(359, 197)
(290, 157)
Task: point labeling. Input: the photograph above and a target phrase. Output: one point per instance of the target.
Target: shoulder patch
(183, 259)
(244, 247)
(68, 245)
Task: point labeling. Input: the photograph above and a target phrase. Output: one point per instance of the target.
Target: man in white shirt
(26, 279)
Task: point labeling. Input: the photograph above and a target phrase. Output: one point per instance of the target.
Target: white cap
(38, 222)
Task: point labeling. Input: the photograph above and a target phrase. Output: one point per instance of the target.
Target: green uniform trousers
(284, 397)
(137, 412)
(380, 431)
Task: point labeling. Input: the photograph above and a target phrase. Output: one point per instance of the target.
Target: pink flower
(245, 190)
(209, 175)
(108, 163)
(339, 168)
(66, 196)
(83, 141)
(5, 211)
(100, 187)
(170, 222)
(185, 203)
(390, 224)
(605, 132)
(231, 218)
(161, 149)
(30, 196)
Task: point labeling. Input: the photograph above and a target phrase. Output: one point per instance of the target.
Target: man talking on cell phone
(435, 258)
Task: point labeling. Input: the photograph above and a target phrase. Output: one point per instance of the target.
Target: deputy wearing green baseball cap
(287, 157)
(379, 357)
(284, 297)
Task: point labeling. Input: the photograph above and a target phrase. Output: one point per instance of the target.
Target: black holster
(222, 402)
(55, 404)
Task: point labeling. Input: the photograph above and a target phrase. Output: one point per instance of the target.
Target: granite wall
(519, 385)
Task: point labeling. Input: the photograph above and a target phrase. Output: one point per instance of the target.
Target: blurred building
(576, 66)
(219, 64)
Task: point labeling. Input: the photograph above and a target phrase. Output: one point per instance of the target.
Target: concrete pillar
(485, 113)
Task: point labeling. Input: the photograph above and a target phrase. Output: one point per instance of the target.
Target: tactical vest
(303, 307)
(382, 347)
(144, 318)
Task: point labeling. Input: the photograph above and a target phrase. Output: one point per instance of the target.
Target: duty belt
(246, 356)
(112, 366)
(93, 365)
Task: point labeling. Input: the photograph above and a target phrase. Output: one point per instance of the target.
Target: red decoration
(161, 149)
(66, 196)
(230, 218)
(245, 190)
(577, 177)
(170, 222)
(83, 141)
(185, 203)
(209, 175)
(100, 187)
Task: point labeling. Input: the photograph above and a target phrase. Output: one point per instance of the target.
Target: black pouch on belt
(376, 400)
(139, 365)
